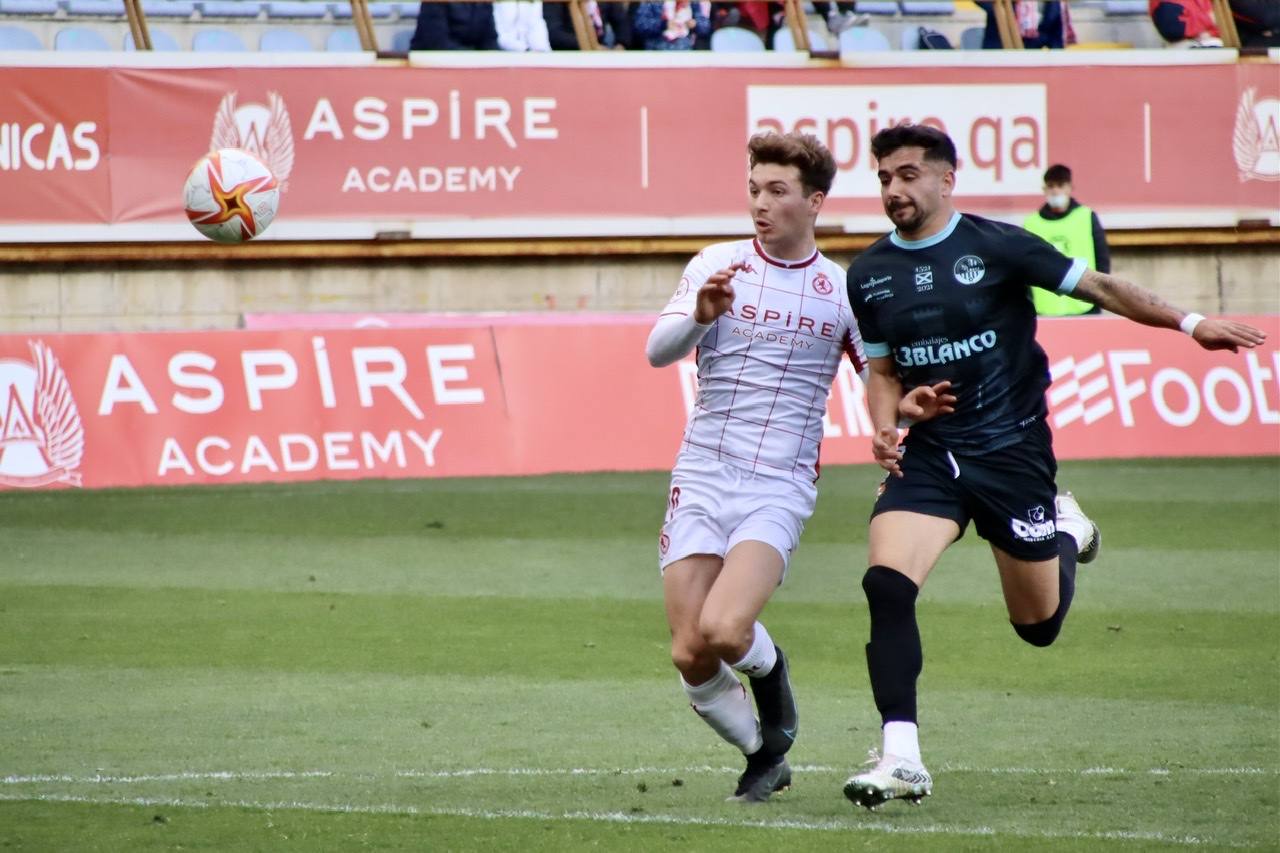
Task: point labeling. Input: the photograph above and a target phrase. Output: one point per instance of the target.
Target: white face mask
(1058, 201)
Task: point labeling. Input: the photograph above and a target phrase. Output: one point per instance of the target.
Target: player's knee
(692, 656)
(1039, 634)
(889, 589)
(728, 638)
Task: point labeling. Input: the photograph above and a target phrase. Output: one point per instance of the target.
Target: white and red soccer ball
(231, 196)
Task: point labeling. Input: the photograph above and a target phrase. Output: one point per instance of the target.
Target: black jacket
(455, 26)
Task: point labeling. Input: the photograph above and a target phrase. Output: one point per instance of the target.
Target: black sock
(1044, 633)
(894, 655)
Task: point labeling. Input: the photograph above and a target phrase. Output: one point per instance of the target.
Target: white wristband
(1190, 322)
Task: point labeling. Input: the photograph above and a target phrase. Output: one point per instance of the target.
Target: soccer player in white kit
(770, 319)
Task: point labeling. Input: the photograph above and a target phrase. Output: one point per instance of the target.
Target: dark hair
(936, 144)
(804, 151)
(1057, 174)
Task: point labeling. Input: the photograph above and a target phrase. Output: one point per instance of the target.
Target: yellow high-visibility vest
(1072, 235)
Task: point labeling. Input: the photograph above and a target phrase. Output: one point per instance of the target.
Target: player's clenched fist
(884, 447)
(716, 296)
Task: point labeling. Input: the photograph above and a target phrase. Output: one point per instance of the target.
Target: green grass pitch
(482, 665)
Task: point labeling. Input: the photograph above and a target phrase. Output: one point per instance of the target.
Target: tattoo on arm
(1127, 299)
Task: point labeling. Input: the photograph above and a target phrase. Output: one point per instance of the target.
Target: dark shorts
(1008, 493)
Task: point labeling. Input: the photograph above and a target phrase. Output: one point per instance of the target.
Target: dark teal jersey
(956, 306)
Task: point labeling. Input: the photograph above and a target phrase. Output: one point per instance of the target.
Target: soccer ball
(231, 196)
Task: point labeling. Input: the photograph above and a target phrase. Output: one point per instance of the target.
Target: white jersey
(765, 367)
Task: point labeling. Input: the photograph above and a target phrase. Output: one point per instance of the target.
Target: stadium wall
(136, 296)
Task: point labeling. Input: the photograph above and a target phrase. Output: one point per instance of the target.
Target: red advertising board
(508, 398)
(506, 151)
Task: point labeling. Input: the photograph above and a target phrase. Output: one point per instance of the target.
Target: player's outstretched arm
(1143, 306)
(675, 335)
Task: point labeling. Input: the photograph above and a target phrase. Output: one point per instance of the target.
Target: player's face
(780, 209)
(913, 189)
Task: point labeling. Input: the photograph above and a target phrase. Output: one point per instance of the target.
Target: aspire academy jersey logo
(41, 436)
(262, 130)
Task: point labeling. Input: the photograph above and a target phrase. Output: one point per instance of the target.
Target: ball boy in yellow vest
(1076, 232)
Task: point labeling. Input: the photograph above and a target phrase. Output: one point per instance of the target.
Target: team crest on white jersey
(823, 285)
(41, 436)
(1256, 140)
(262, 130)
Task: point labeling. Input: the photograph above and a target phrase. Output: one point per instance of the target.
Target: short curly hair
(802, 150)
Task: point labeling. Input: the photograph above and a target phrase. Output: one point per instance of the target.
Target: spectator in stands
(840, 16)
(455, 26)
(1040, 24)
(673, 25)
(754, 16)
(520, 26)
(1075, 231)
(1186, 23)
(612, 22)
(1257, 22)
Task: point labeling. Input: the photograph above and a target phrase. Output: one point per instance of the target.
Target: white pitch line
(467, 772)
(623, 818)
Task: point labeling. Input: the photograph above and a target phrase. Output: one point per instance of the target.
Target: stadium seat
(95, 8)
(910, 39)
(229, 9)
(863, 40)
(217, 41)
(1125, 7)
(17, 38)
(344, 40)
(876, 7)
(160, 40)
(28, 7)
(971, 38)
(168, 8)
(928, 7)
(77, 38)
(277, 40)
(400, 40)
(296, 9)
(342, 11)
(784, 43)
(736, 40)
(406, 11)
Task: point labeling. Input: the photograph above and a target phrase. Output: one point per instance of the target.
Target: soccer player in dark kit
(949, 327)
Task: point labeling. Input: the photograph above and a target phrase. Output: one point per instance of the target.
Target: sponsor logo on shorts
(1036, 529)
(664, 544)
(969, 270)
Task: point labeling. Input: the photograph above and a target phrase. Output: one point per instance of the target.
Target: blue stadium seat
(928, 7)
(736, 40)
(229, 9)
(863, 40)
(1125, 7)
(971, 38)
(342, 11)
(78, 38)
(17, 38)
(168, 8)
(876, 7)
(343, 40)
(97, 8)
(28, 7)
(160, 40)
(783, 42)
(400, 40)
(217, 41)
(296, 9)
(276, 40)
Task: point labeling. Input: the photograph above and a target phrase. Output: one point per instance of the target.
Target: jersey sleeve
(685, 298)
(865, 328)
(1038, 263)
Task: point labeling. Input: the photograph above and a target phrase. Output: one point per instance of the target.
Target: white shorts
(713, 506)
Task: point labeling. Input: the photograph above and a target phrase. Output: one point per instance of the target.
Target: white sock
(902, 739)
(723, 703)
(760, 658)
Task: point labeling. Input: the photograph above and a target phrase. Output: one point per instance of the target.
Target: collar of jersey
(786, 265)
(927, 241)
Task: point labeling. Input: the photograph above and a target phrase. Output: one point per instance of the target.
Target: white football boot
(1073, 522)
(891, 778)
